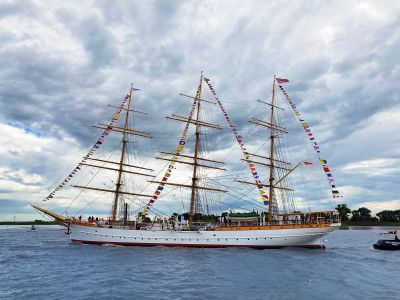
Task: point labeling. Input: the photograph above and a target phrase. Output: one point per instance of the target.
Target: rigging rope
(100, 141)
(174, 158)
(239, 139)
(306, 127)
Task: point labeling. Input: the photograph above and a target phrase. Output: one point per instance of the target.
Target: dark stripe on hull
(197, 245)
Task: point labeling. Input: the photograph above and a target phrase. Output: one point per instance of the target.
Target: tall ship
(252, 204)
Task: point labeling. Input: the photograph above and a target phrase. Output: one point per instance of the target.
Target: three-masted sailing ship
(274, 225)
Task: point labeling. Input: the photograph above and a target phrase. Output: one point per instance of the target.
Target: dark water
(45, 265)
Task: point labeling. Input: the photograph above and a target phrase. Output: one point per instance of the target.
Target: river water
(45, 265)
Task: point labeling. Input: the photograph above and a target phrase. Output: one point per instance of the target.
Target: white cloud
(373, 167)
(31, 163)
(374, 142)
(377, 206)
(357, 191)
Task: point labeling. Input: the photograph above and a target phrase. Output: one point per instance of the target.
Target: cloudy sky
(62, 63)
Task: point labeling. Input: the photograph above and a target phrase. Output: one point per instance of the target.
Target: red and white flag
(306, 163)
(281, 80)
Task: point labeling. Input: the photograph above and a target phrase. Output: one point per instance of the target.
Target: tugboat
(388, 244)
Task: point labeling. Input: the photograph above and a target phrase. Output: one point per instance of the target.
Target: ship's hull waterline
(306, 237)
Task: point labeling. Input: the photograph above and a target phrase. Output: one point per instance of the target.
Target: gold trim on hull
(272, 227)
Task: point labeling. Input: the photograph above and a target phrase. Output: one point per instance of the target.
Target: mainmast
(271, 156)
(195, 156)
(196, 160)
(121, 162)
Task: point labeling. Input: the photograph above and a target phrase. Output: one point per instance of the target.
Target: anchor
(68, 229)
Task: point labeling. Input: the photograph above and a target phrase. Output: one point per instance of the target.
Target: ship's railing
(223, 222)
(320, 220)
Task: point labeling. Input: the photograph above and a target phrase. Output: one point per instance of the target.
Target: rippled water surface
(45, 265)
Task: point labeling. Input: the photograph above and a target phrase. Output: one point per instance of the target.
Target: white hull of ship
(311, 237)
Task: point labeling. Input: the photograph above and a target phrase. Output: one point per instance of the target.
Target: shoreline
(36, 222)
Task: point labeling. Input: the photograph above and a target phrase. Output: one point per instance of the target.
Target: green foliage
(146, 220)
(36, 222)
(244, 214)
(343, 211)
(204, 218)
(198, 217)
(389, 216)
(361, 215)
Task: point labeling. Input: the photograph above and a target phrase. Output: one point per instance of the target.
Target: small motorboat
(33, 228)
(389, 234)
(388, 244)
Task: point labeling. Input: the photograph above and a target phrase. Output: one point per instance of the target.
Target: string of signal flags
(311, 137)
(99, 142)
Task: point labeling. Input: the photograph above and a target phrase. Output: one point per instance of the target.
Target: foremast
(122, 159)
(122, 164)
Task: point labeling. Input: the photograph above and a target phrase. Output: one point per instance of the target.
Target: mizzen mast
(125, 133)
(196, 152)
(273, 163)
(271, 155)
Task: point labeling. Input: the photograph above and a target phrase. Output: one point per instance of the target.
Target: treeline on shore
(36, 222)
(363, 217)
